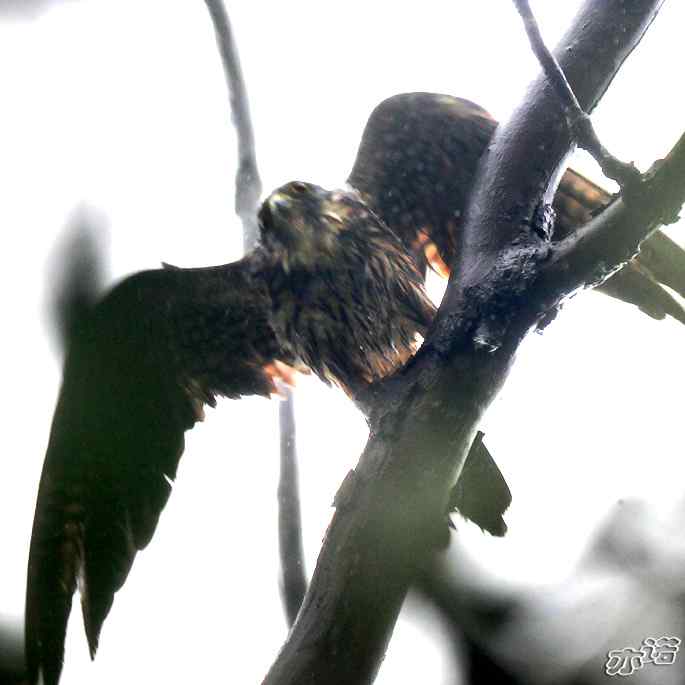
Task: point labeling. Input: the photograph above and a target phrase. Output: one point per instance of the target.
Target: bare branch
(248, 191)
(593, 252)
(248, 183)
(579, 122)
(293, 579)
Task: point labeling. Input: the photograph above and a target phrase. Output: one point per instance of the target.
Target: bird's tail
(661, 261)
(481, 494)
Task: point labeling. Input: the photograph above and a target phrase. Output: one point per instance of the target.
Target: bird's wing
(415, 166)
(416, 163)
(144, 361)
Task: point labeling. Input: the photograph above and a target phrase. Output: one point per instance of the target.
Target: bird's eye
(298, 186)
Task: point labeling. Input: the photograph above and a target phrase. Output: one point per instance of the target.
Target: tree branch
(248, 190)
(293, 579)
(247, 182)
(390, 509)
(592, 253)
(579, 122)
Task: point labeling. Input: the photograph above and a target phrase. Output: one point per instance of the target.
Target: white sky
(122, 106)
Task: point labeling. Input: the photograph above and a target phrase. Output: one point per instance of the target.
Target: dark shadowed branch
(248, 183)
(614, 236)
(390, 507)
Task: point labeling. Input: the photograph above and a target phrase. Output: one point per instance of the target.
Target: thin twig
(293, 579)
(248, 191)
(579, 122)
(247, 182)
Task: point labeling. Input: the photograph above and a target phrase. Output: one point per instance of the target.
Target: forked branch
(248, 190)
(579, 122)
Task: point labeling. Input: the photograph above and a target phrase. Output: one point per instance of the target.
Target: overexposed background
(121, 107)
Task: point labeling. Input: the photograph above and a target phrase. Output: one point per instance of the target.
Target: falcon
(336, 284)
(415, 167)
(347, 299)
(330, 286)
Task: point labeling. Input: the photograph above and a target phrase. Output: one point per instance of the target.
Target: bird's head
(302, 223)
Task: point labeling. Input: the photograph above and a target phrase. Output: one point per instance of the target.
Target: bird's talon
(435, 261)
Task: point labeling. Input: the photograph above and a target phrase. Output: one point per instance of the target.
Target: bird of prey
(415, 167)
(347, 299)
(330, 286)
(336, 284)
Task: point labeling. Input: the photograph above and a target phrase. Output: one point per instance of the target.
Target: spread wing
(139, 367)
(415, 166)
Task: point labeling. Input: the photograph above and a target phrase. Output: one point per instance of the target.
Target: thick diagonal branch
(389, 509)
